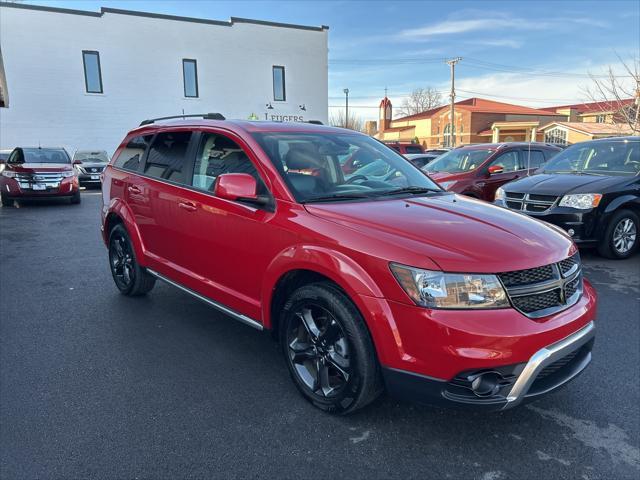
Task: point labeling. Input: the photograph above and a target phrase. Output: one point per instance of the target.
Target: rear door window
(167, 156)
(130, 158)
(217, 155)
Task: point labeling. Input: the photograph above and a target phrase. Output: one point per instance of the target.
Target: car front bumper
(432, 356)
(64, 188)
(582, 226)
(549, 369)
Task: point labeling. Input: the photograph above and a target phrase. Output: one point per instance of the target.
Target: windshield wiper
(337, 196)
(415, 190)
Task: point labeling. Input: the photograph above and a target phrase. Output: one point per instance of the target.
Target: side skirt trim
(218, 306)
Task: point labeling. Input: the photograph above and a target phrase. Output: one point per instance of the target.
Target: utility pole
(452, 121)
(346, 107)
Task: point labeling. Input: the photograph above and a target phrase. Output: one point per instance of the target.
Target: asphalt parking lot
(94, 384)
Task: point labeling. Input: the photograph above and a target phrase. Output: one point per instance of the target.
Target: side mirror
(493, 169)
(77, 162)
(238, 187)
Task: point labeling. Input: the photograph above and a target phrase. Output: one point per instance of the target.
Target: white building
(82, 79)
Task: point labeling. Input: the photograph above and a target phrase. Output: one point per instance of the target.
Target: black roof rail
(315, 122)
(206, 116)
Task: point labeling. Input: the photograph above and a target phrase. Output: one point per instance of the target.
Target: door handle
(188, 206)
(134, 190)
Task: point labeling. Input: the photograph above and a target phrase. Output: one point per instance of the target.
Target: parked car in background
(367, 283)
(438, 151)
(421, 159)
(478, 170)
(38, 172)
(4, 155)
(591, 190)
(89, 164)
(405, 147)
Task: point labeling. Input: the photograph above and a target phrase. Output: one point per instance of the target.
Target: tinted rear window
(131, 156)
(167, 156)
(411, 149)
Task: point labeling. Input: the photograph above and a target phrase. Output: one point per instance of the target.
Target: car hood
(458, 233)
(41, 167)
(447, 177)
(564, 183)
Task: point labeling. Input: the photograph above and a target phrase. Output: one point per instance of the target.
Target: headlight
(446, 185)
(433, 289)
(581, 201)
(8, 173)
(68, 173)
(499, 194)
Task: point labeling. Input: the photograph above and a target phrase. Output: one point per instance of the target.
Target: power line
(471, 63)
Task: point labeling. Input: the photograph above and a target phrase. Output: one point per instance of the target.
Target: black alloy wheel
(328, 349)
(318, 350)
(130, 278)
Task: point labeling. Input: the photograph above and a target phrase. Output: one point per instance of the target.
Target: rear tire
(130, 278)
(75, 198)
(620, 238)
(328, 349)
(6, 201)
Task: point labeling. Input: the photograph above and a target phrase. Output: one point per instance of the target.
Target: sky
(536, 53)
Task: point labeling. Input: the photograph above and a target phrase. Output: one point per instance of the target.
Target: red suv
(478, 170)
(37, 173)
(367, 282)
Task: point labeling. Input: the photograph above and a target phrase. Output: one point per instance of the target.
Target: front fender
(622, 200)
(336, 266)
(120, 208)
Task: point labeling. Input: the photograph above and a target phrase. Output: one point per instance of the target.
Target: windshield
(45, 155)
(99, 157)
(457, 161)
(314, 167)
(615, 157)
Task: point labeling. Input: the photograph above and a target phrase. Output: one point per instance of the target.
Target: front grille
(529, 202)
(92, 169)
(541, 301)
(542, 291)
(49, 179)
(526, 277)
(569, 263)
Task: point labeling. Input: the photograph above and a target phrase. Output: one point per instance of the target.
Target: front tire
(620, 238)
(75, 198)
(328, 349)
(130, 278)
(6, 201)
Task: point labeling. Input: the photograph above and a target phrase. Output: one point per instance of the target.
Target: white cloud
(504, 42)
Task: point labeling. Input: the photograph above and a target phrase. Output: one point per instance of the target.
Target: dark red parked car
(38, 173)
(405, 147)
(367, 283)
(478, 170)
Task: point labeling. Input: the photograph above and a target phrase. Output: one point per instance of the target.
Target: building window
(92, 71)
(279, 90)
(601, 118)
(447, 140)
(190, 77)
(556, 135)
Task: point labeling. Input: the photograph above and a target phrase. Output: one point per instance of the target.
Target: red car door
(230, 243)
(157, 200)
(502, 169)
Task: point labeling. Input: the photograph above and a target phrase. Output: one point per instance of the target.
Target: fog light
(486, 384)
(571, 232)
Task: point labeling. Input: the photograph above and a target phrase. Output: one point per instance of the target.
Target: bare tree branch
(613, 92)
(337, 119)
(420, 100)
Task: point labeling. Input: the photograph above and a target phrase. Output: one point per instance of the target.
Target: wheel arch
(119, 213)
(301, 265)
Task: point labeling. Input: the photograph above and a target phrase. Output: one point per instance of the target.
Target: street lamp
(346, 107)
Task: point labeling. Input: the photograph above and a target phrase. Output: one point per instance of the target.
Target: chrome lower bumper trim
(232, 313)
(544, 357)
